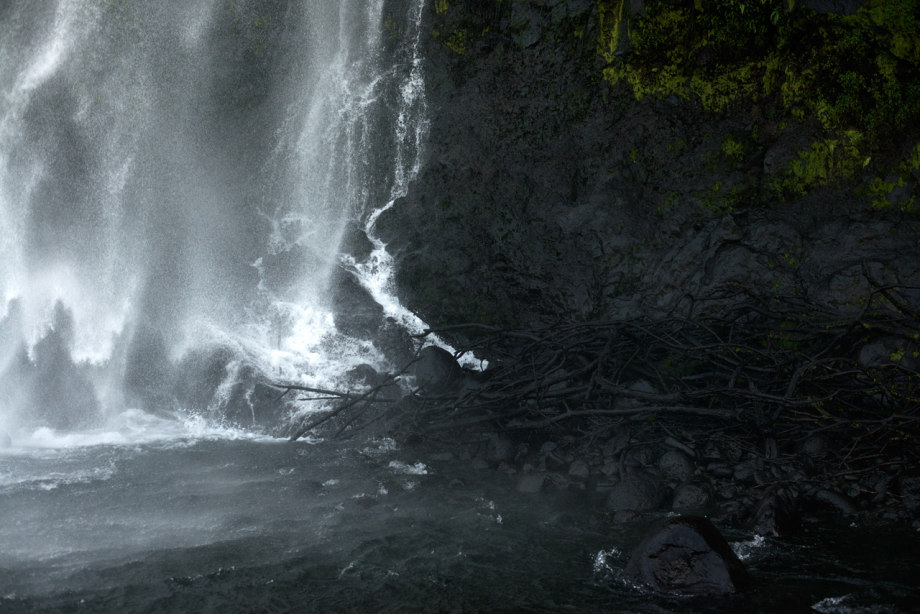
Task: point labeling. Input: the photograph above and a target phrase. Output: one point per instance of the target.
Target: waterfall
(175, 182)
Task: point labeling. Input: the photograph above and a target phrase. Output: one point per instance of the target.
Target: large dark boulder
(437, 371)
(686, 555)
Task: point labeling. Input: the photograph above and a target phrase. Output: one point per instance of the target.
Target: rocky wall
(550, 193)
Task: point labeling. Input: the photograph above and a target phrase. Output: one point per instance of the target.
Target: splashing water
(175, 182)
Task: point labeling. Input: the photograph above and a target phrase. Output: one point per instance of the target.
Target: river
(174, 515)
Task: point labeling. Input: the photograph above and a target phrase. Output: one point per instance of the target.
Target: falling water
(175, 181)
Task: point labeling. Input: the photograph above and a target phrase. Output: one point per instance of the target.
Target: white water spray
(174, 185)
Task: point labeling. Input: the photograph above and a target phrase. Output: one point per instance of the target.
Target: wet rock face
(545, 190)
(686, 555)
(50, 387)
(355, 310)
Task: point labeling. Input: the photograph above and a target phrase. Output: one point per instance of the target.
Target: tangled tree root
(780, 369)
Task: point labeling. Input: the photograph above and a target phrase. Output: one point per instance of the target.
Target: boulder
(437, 371)
(675, 465)
(355, 242)
(355, 311)
(775, 514)
(638, 491)
(531, 483)
(691, 497)
(686, 555)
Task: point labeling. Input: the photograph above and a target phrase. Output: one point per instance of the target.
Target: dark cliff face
(549, 193)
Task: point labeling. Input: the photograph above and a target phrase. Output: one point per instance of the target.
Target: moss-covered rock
(551, 190)
(855, 75)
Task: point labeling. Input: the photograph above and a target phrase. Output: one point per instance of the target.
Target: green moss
(733, 149)
(613, 28)
(911, 163)
(880, 190)
(456, 41)
(851, 74)
(441, 6)
(826, 161)
(394, 29)
(720, 199)
(667, 204)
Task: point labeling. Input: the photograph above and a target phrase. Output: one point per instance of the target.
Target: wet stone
(557, 460)
(437, 370)
(531, 483)
(617, 443)
(641, 456)
(638, 491)
(686, 555)
(579, 469)
(815, 446)
(479, 463)
(719, 470)
(500, 449)
(610, 468)
(691, 498)
(675, 465)
(744, 473)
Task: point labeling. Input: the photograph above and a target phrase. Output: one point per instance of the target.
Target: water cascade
(175, 182)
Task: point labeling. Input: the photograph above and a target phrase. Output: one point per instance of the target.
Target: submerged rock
(686, 555)
(775, 514)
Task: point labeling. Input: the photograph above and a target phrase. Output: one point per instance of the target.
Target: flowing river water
(168, 515)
